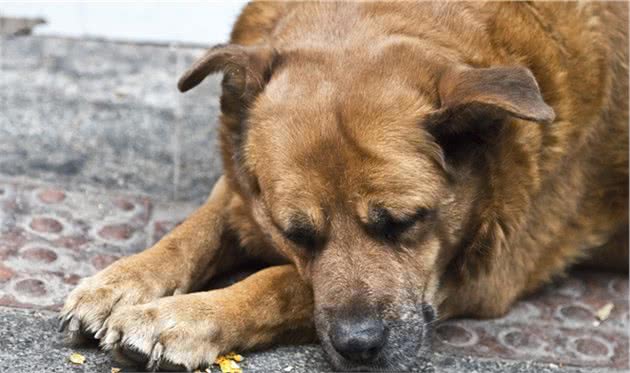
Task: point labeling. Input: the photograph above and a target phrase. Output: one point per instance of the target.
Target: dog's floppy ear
(474, 104)
(246, 70)
(470, 96)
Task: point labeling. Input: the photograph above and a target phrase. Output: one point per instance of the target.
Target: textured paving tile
(557, 325)
(50, 238)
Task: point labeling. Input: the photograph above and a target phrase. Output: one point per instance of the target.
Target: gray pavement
(96, 114)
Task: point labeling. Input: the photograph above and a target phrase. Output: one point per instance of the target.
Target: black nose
(359, 340)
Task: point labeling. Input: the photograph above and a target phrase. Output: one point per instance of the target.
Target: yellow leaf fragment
(228, 365)
(219, 359)
(115, 370)
(604, 312)
(77, 358)
(234, 356)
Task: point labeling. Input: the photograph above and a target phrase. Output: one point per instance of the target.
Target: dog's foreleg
(271, 306)
(176, 264)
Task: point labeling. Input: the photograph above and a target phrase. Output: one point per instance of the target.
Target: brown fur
(398, 156)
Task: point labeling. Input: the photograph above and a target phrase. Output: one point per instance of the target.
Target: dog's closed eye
(302, 232)
(383, 224)
(301, 235)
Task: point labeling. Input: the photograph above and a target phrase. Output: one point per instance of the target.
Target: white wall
(184, 21)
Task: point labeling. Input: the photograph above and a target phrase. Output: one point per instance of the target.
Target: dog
(390, 164)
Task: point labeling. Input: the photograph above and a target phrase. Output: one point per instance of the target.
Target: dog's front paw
(179, 332)
(91, 303)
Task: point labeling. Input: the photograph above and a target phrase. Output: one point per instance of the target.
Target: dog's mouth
(385, 345)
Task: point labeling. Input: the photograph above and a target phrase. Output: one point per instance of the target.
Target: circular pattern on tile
(123, 204)
(5, 273)
(46, 225)
(456, 335)
(572, 287)
(592, 347)
(519, 340)
(116, 232)
(51, 196)
(32, 287)
(576, 312)
(524, 310)
(72, 279)
(101, 261)
(618, 287)
(39, 254)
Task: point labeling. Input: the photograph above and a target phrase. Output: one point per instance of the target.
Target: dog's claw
(63, 321)
(156, 356)
(110, 340)
(74, 325)
(74, 328)
(101, 332)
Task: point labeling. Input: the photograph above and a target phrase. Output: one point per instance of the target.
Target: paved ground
(100, 156)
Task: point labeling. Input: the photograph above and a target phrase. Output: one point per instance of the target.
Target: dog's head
(363, 172)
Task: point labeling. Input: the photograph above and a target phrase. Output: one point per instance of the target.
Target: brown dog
(387, 159)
